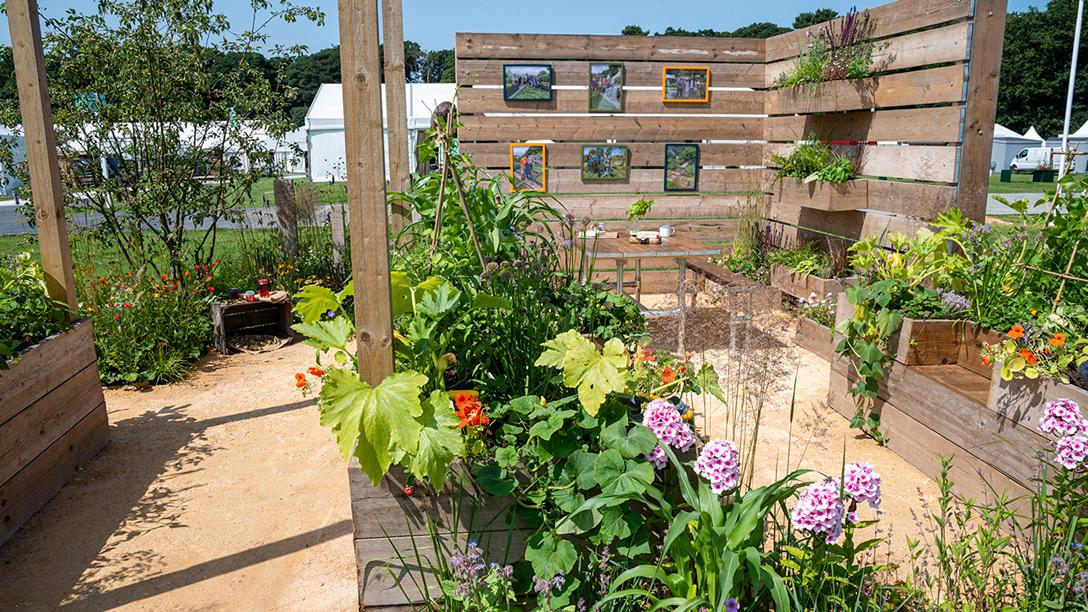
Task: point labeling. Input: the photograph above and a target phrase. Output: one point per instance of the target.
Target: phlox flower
(819, 510)
(719, 463)
(861, 482)
(657, 458)
(1062, 417)
(1071, 452)
(669, 427)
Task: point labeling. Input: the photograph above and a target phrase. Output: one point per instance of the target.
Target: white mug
(665, 231)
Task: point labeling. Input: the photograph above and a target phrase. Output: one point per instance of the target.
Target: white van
(1031, 158)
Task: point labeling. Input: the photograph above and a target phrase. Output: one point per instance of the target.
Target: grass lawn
(1021, 183)
(326, 193)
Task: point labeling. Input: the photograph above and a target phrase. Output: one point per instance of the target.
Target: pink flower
(862, 483)
(719, 463)
(669, 427)
(1071, 451)
(819, 510)
(1062, 417)
(657, 458)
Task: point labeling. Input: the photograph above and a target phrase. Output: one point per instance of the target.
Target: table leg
(638, 281)
(619, 275)
(681, 302)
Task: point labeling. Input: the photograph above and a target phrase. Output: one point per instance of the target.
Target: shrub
(27, 312)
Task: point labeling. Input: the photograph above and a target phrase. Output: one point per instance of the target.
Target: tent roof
(1033, 135)
(1082, 132)
(327, 109)
(1005, 133)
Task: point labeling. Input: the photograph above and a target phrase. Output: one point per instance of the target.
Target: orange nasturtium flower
(1057, 340)
(316, 371)
(470, 411)
(1016, 332)
(1028, 356)
(668, 375)
(648, 355)
(300, 380)
(985, 361)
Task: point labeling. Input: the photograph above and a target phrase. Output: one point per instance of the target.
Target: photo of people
(604, 163)
(681, 167)
(527, 167)
(685, 84)
(606, 88)
(527, 82)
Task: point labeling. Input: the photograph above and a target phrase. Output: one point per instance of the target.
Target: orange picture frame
(523, 173)
(665, 84)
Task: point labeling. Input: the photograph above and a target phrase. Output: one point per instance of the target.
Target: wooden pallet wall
(919, 129)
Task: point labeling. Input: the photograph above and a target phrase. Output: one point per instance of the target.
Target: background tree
(178, 104)
(634, 30)
(305, 74)
(804, 20)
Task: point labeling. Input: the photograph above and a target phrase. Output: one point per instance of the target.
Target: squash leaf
(595, 373)
(439, 441)
(314, 301)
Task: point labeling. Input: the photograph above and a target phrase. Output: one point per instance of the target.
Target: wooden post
(396, 107)
(986, 41)
(41, 149)
(361, 77)
(336, 230)
(283, 193)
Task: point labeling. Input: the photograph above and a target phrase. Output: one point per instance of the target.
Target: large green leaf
(436, 303)
(314, 301)
(376, 421)
(594, 373)
(402, 290)
(544, 429)
(707, 379)
(439, 441)
(618, 477)
(548, 555)
(629, 441)
(323, 335)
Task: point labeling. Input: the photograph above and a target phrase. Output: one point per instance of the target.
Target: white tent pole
(1072, 80)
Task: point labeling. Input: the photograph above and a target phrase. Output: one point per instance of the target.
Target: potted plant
(813, 175)
(635, 213)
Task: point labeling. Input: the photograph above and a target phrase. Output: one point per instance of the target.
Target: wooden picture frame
(665, 97)
(609, 152)
(604, 102)
(527, 172)
(512, 87)
(694, 174)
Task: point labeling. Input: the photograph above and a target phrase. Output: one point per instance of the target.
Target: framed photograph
(606, 88)
(685, 84)
(605, 162)
(523, 82)
(528, 167)
(681, 167)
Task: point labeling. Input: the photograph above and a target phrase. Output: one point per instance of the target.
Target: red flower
(408, 491)
(1057, 340)
(470, 411)
(210, 288)
(116, 316)
(668, 375)
(985, 361)
(1028, 356)
(648, 355)
(316, 371)
(1016, 332)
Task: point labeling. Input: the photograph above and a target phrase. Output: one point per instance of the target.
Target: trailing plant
(28, 313)
(843, 49)
(1050, 346)
(813, 161)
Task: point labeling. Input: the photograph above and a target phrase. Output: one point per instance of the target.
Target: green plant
(812, 161)
(804, 260)
(28, 313)
(843, 49)
(1050, 346)
(819, 309)
(640, 208)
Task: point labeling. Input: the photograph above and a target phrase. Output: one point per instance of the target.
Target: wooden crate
(803, 285)
(52, 421)
(851, 195)
(237, 318)
(388, 523)
(815, 338)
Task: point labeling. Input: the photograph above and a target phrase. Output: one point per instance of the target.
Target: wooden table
(676, 248)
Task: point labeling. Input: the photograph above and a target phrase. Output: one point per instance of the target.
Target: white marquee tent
(1007, 144)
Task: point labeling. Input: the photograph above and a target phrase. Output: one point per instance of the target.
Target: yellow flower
(689, 415)
(543, 402)
(1007, 289)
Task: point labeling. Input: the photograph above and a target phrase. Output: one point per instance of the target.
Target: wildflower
(1063, 417)
(731, 605)
(1016, 332)
(1057, 340)
(985, 361)
(316, 371)
(719, 463)
(211, 289)
(819, 510)
(1006, 289)
(300, 383)
(657, 458)
(1071, 451)
(668, 375)
(1028, 356)
(954, 302)
(647, 355)
(861, 482)
(116, 316)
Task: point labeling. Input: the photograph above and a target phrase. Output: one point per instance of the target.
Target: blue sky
(432, 23)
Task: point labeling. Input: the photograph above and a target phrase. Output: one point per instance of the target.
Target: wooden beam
(396, 107)
(984, 71)
(361, 75)
(47, 192)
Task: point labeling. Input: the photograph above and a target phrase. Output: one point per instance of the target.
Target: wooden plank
(914, 125)
(915, 88)
(853, 225)
(803, 285)
(25, 493)
(472, 100)
(615, 127)
(41, 149)
(646, 181)
(396, 109)
(851, 195)
(937, 46)
(643, 155)
(888, 20)
(32, 431)
(674, 49)
(42, 367)
(364, 150)
(987, 40)
(815, 338)
(918, 200)
(665, 206)
(637, 74)
(914, 162)
(959, 380)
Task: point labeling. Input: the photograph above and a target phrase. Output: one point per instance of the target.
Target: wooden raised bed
(52, 420)
(851, 195)
(816, 338)
(803, 285)
(386, 519)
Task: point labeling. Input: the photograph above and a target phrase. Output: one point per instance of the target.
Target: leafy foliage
(814, 161)
(594, 373)
(28, 313)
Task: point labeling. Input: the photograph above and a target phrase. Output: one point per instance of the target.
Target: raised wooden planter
(387, 521)
(816, 338)
(52, 420)
(851, 195)
(803, 285)
(1022, 401)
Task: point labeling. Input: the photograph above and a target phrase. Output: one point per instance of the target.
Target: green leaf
(330, 333)
(373, 420)
(616, 524)
(437, 303)
(545, 429)
(484, 300)
(707, 379)
(439, 441)
(506, 456)
(580, 466)
(490, 477)
(594, 373)
(314, 301)
(548, 555)
(630, 442)
(619, 477)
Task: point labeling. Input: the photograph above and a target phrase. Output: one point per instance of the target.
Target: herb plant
(28, 313)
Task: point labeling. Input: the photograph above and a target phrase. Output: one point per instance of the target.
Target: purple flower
(861, 482)
(1062, 417)
(719, 463)
(819, 510)
(1071, 451)
(731, 605)
(954, 302)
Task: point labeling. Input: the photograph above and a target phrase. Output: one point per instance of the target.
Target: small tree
(164, 114)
